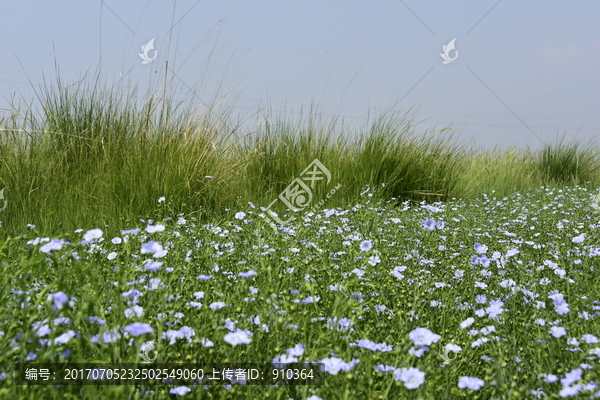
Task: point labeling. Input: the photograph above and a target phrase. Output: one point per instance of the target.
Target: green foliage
(96, 155)
(562, 163)
(408, 277)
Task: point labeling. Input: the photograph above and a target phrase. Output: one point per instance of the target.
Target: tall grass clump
(556, 164)
(410, 165)
(503, 172)
(567, 163)
(387, 153)
(278, 152)
(99, 156)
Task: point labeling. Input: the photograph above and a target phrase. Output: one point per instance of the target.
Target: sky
(521, 73)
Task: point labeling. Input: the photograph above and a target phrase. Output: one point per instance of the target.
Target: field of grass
(433, 272)
(509, 283)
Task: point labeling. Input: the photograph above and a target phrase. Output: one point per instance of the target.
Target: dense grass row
(99, 156)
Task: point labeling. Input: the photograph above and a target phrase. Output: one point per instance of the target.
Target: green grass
(411, 277)
(364, 265)
(99, 156)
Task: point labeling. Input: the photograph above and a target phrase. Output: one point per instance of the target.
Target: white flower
(423, 337)
(374, 260)
(155, 228)
(238, 337)
(470, 383)
(296, 351)
(65, 337)
(479, 342)
(412, 377)
(284, 359)
(590, 339)
(135, 310)
(92, 234)
(452, 347)
(467, 322)
(558, 331)
(334, 365)
(180, 390)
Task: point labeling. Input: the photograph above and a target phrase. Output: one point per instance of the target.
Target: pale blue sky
(540, 59)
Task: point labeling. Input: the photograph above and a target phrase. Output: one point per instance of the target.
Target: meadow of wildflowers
(494, 298)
